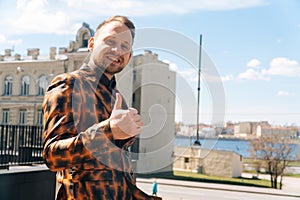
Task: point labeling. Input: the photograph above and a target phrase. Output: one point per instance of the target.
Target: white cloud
(253, 63)
(15, 42)
(251, 74)
(59, 16)
(5, 41)
(285, 93)
(187, 72)
(37, 16)
(228, 77)
(166, 61)
(278, 66)
(2, 38)
(283, 67)
(172, 66)
(148, 7)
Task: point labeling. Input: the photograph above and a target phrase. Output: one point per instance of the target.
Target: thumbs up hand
(124, 123)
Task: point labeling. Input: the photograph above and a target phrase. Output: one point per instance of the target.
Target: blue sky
(254, 44)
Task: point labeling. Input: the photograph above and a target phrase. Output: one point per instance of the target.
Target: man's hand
(124, 123)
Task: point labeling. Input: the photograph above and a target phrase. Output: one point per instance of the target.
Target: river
(237, 145)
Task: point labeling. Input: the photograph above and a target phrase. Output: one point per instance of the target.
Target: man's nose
(116, 49)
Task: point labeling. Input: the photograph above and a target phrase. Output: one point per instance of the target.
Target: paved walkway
(291, 186)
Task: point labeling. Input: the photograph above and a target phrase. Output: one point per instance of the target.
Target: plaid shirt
(78, 140)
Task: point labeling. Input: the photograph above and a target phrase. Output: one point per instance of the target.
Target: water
(236, 145)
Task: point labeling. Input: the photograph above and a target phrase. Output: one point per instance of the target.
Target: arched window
(42, 85)
(25, 85)
(8, 85)
(85, 39)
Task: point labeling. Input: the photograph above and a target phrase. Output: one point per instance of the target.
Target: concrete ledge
(22, 183)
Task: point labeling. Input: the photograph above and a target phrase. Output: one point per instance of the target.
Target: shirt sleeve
(64, 147)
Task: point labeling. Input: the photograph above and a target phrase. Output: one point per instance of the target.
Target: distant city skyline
(254, 45)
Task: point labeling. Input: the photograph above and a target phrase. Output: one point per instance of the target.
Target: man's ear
(91, 44)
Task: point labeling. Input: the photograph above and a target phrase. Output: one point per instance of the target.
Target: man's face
(111, 47)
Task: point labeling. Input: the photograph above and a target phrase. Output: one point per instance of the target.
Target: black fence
(20, 145)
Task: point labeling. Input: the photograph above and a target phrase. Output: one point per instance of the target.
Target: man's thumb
(118, 102)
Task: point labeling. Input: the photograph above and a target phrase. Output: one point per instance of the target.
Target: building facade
(153, 94)
(23, 84)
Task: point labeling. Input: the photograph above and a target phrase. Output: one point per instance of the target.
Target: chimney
(62, 50)
(17, 56)
(7, 52)
(52, 53)
(31, 52)
(147, 52)
(35, 56)
(1, 57)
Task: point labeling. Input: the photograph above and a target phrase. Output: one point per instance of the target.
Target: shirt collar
(101, 77)
(109, 84)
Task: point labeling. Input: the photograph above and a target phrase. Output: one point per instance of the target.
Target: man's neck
(109, 76)
(92, 65)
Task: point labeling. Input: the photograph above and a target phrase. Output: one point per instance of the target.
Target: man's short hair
(124, 20)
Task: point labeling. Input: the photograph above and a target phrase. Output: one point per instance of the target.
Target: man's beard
(113, 69)
(109, 68)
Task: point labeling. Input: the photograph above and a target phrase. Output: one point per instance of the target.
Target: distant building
(287, 132)
(209, 162)
(247, 129)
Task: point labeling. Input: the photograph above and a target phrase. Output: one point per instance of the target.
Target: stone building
(210, 162)
(23, 84)
(286, 132)
(248, 129)
(154, 96)
(146, 83)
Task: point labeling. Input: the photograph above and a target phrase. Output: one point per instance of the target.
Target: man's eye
(125, 47)
(109, 42)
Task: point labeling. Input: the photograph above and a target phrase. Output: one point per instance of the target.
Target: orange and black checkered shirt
(78, 141)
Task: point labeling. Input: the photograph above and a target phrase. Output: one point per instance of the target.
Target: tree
(275, 152)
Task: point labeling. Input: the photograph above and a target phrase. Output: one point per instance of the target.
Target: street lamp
(197, 142)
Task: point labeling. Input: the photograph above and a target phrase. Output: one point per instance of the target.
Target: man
(87, 125)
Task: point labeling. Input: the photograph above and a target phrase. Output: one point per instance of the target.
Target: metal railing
(20, 145)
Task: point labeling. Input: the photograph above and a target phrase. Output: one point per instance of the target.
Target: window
(5, 116)
(39, 117)
(8, 85)
(85, 39)
(25, 85)
(133, 98)
(22, 116)
(186, 160)
(42, 85)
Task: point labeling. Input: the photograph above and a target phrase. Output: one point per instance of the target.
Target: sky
(253, 44)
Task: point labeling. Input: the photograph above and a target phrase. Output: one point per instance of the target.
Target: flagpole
(197, 142)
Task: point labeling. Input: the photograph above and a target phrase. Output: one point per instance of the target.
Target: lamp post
(197, 141)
